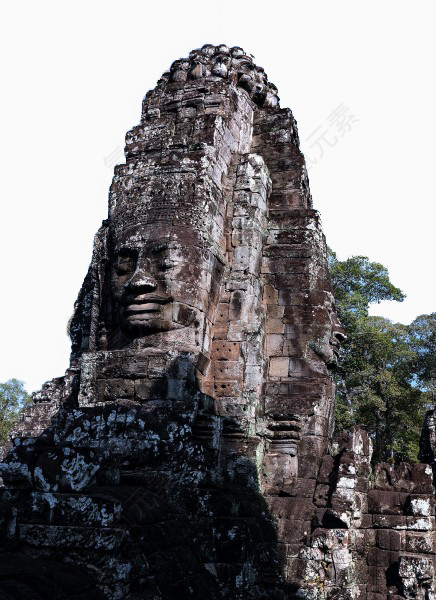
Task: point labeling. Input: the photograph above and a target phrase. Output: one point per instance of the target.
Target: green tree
(357, 283)
(378, 381)
(381, 391)
(13, 398)
(422, 333)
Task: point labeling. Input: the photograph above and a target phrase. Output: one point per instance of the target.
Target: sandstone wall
(188, 450)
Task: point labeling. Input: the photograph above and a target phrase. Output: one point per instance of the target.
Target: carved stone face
(157, 284)
(330, 336)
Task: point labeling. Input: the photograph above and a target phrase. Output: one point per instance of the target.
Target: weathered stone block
(112, 390)
(222, 350)
(279, 367)
(188, 451)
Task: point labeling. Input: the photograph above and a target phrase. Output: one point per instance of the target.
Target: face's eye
(126, 264)
(164, 258)
(165, 264)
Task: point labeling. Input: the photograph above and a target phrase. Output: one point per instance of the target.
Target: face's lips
(140, 299)
(143, 307)
(146, 313)
(336, 346)
(144, 303)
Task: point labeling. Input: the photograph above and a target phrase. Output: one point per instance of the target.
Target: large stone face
(187, 451)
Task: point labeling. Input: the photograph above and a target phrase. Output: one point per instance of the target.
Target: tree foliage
(13, 398)
(357, 283)
(423, 341)
(386, 369)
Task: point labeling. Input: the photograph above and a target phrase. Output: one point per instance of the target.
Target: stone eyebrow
(126, 251)
(163, 246)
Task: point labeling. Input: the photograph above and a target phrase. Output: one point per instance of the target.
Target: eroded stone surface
(187, 451)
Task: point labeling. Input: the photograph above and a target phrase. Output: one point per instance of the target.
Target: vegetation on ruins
(13, 398)
(386, 376)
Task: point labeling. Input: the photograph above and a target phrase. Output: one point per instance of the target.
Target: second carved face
(329, 333)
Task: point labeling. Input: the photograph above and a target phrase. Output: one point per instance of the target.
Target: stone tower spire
(187, 452)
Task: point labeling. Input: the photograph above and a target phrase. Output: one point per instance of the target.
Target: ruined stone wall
(188, 450)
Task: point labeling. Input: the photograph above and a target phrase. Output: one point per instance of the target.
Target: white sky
(74, 74)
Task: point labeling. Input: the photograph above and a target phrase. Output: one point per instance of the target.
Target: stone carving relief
(187, 452)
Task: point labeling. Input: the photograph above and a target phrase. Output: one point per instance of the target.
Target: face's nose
(338, 332)
(339, 336)
(141, 281)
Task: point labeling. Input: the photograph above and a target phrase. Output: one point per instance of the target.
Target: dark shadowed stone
(187, 452)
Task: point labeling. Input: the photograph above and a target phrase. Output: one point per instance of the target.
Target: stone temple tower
(187, 451)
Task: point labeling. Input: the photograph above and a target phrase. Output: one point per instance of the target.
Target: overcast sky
(359, 77)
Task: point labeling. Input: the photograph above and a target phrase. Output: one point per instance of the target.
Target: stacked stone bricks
(187, 452)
